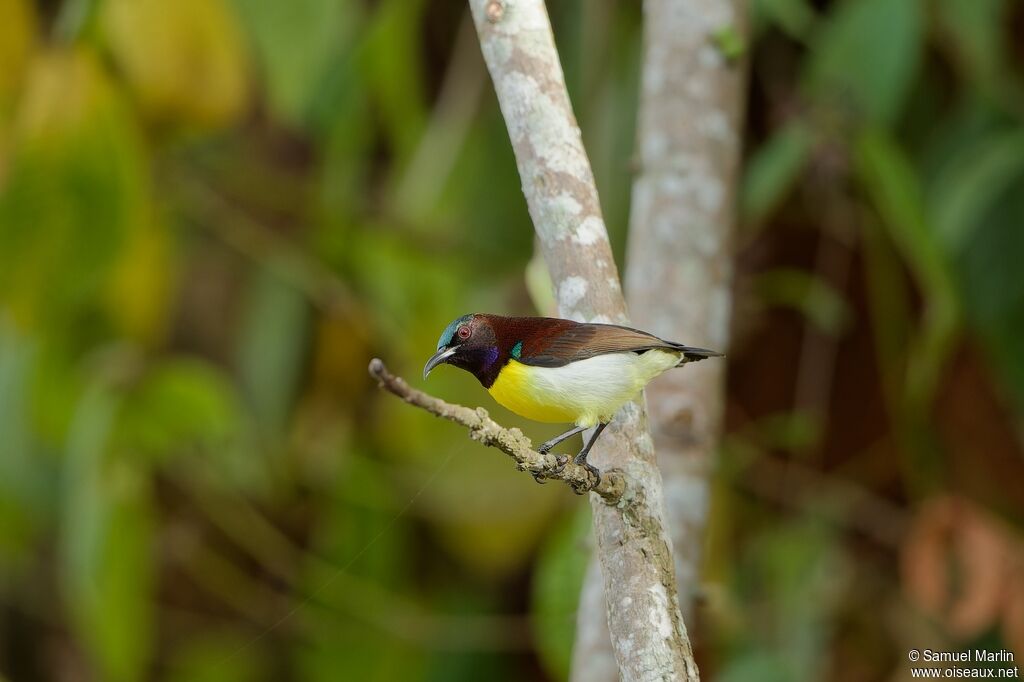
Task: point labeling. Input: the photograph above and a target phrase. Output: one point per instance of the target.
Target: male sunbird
(559, 371)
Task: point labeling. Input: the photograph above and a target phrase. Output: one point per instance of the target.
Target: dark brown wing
(571, 342)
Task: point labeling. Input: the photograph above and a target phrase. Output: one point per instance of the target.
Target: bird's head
(470, 343)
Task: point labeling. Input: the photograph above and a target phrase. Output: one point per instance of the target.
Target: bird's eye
(463, 333)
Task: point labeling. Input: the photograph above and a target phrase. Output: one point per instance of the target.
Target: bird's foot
(595, 472)
(541, 477)
(592, 481)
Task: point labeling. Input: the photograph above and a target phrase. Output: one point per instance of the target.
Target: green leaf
(182, 406)
(893, 188)
(271, 342)
(794, 431)
(731, 45)
(867, 55)
(993, 289)
(889, 307)
(349, 531)
(790, 579)
(760, 665)
(970, 183)
(773, 170)
(23, 482)
(354, 578)
(808, 294)
(977, 29)
(298, 42)
(76, 187)
(348, 140)
(402, 282)
(217, 657)
(393, 60)
(558, 579)
(56, 386)
(795, 17)
(108, 569)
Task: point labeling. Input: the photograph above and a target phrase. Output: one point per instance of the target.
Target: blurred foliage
(214, 212)
(184, 62)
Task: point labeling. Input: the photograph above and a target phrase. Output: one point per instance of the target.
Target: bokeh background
(214, 212)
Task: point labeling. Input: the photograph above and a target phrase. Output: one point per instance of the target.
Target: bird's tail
(691, 354)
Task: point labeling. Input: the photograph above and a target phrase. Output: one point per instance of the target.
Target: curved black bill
(440, 356)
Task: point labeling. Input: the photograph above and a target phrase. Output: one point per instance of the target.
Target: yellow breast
(584, 392)
(516, 389)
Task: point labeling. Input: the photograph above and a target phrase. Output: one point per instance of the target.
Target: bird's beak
(438, 357)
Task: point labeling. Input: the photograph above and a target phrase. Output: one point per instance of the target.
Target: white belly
(588, 391)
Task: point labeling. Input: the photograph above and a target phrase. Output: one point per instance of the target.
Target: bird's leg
(581, 458)
(546, 446)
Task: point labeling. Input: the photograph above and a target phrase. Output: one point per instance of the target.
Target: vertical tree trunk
(648, 636)
(679, 263)
(679, 259)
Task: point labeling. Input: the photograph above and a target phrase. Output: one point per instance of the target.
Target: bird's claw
(596, 474)
(541, 476)
(592, 481)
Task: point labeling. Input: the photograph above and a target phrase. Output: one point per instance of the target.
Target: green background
(213, 213)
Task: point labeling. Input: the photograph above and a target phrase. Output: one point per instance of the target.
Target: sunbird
(559, 371)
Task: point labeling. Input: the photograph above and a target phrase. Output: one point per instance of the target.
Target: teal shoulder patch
(517, 349)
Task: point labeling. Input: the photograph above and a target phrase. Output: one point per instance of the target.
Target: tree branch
(512, 442)
(679, 257)
(680, 229)
(679, 260)
(647, 631)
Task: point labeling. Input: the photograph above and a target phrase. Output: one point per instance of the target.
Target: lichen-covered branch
(512, 442)
(647, 632)
(519, 50)
(679, 261)
(679, 258)
(592, 657)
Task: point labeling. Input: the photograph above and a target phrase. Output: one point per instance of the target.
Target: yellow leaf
(339, 358)
(66, 90)
(75, 188)
(141, 282)
(185, 60)
(17, 33)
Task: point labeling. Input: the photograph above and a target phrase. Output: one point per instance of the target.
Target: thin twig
(512, 442)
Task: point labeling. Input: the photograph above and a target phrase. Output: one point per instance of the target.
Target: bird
(559, 371)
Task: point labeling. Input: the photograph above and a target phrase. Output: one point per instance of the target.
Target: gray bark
(648, 636)
(679, 264)
(679, 257)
